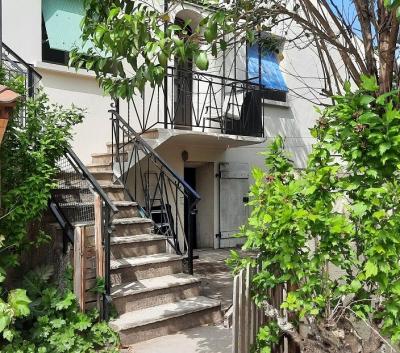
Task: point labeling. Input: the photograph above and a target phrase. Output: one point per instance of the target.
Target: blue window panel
(271, 75)
(62, 20)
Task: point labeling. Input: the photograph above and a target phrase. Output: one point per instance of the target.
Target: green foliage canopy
(332, 230)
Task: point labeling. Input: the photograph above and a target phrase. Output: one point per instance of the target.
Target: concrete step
(132, 226)
(137, 245)
(106, 157)
(165, 319)
(104, 176)
(128, 147)
(114, 191)
(136, 268)
(127, 209)
(154, 291)
(98, 167)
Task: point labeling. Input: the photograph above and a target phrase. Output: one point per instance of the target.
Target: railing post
(31, 83)
(191, 205)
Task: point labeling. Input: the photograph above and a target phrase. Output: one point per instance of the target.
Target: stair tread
(125, 203)
(102, 154)
(102, 172)
(143, 260)
(98, 165)
(132, 220)
(162, 312)
(136, 238)
(111, 186)
(155, 283)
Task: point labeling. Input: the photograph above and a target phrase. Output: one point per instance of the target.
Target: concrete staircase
(152, 295)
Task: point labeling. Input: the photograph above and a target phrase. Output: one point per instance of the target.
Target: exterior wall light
(8, 101)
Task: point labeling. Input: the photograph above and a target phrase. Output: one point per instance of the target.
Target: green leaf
(8, 335)
(365, 100)
(371, 269)
(359, 209)
(202, 61)
(19, 302)
(211, 32)
(5, 320)
(162, 59)
(65, 303)
(100, 31)
(355, 285)
(347, 86)
(384, 147)
(369, 83)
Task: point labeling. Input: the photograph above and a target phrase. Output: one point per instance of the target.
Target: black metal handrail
(135, 161)
(89, 176)
(73, 202)
(16, 66)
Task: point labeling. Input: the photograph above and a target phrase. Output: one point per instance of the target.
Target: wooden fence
(88, 259)
(247, 318)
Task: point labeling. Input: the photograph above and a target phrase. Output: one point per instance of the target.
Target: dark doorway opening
(183, 88)
(190, 178)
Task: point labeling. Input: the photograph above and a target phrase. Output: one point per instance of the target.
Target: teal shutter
(62, 20)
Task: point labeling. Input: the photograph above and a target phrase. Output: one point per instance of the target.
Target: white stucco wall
(22, 28)
(22, 32)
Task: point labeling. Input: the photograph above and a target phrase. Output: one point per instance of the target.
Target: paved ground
(216, 277)
(216, 283)
(204, 339)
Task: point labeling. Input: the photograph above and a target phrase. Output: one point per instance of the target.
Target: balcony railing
(197, 101)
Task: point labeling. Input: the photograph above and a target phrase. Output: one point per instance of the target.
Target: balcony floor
(212, 139)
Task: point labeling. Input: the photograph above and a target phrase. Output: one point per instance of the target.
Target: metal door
(233, 196)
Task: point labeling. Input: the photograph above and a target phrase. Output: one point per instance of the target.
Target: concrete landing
(204, 339)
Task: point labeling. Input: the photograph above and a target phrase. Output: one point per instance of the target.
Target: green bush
(330, 233)
(28, 157)
(38, 317)
(50, 321)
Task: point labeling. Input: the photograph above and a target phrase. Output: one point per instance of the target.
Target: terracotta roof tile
(7, 96)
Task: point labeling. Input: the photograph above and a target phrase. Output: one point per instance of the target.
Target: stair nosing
(105, 154)
(152, 259)
(174, 314)
(184, 282)
(131, 220)
(136, 238)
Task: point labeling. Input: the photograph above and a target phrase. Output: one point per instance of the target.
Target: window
(60, 29)
(263, 68)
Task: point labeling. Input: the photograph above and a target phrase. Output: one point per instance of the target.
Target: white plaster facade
(292, 120)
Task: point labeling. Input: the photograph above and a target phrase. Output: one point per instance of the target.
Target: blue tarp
(271, 75)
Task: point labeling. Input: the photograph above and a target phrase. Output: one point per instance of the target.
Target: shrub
(330, 233)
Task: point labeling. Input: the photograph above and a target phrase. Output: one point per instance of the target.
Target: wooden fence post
(80, 266)
(235, 319)
(247, 308)
(98, 239)
(242, 324)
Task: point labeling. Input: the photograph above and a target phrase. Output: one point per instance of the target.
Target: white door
(233, 212)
